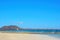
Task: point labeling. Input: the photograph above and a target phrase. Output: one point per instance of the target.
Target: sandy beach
(21, 36)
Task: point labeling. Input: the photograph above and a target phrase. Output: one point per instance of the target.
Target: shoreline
(30, 32)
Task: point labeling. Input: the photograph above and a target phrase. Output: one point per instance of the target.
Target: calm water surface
(54, 35)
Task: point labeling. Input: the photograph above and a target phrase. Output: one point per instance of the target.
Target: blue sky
(30, 13)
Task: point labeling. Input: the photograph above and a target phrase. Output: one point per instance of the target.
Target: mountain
(11, 27)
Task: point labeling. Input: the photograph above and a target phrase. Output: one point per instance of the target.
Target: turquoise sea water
(44, 31)
(54, 35)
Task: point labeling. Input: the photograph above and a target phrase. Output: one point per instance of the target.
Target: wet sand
(24, 36)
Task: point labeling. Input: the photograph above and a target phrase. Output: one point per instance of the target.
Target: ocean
(39, 31)
(54, 35)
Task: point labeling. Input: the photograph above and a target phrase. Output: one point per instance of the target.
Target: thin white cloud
(20, 23)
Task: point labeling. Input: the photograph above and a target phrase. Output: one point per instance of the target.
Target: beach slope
(22, 36)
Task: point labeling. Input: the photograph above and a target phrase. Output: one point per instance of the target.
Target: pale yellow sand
(20, 36)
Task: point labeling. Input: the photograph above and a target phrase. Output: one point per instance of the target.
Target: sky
(30, 13)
